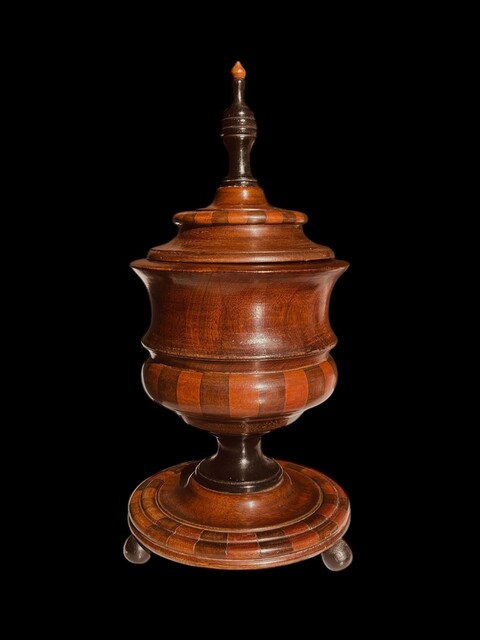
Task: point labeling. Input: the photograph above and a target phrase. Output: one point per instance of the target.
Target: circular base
(174, 516)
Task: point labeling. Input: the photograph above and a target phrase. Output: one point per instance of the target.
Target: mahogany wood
(239, 345)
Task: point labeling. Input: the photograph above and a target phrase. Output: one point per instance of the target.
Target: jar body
(240, 351)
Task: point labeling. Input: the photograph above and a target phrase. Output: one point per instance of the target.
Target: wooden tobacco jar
(239, 345)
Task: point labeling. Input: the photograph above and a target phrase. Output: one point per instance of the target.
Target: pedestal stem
(239, 466)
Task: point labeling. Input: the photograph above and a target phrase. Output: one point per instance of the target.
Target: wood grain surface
(239, 345)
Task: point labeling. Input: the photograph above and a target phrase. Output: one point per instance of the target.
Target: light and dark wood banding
(175, 517)
(239, 345)
(239, 396)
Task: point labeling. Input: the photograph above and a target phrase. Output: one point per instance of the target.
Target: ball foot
(134, 552)
(338, 557)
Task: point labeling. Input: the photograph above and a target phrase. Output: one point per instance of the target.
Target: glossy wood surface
(240, 226)
(174, 516)
(239, 345)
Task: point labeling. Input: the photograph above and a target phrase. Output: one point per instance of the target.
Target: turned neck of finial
(239, 130)
(239, 91)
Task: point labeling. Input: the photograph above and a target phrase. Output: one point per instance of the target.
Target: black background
(333, 128)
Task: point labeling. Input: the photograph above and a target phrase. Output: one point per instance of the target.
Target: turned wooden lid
(240, 226)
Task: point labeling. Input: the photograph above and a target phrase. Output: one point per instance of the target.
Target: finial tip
(238, 71)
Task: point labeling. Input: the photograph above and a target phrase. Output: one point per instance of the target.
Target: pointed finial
(239, 131)
(238, 71)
